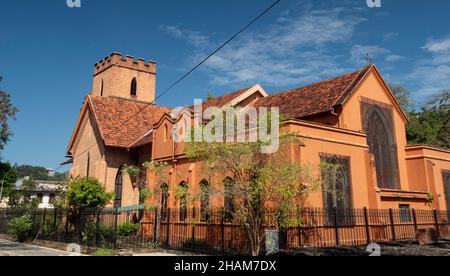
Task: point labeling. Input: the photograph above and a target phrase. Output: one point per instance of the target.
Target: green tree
(210, 96)
(39, 173)
(431, 125)
(23, 197)
(8, 178)
(403, 97)
(7, 111)
(256, 181)
(87, 193)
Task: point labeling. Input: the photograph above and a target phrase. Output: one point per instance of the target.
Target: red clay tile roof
(113, 119)
(225, 99)
(313, 99)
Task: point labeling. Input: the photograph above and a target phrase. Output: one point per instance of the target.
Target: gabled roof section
(316, 98)
(322, 97)
(372, 68)
(122, 123)
(234, 98)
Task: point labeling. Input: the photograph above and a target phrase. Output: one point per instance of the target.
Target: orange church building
(353, 120)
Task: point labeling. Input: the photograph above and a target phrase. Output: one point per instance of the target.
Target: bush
(105, 234)
(127, 229)
(198, 243)
(21, 227)
(87, 193)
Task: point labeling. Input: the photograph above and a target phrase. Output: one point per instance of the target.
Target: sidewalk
(9, 248)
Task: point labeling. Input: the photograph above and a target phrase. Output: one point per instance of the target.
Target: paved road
(8, 248)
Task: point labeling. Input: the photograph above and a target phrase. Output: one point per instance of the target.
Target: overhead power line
(184, 76)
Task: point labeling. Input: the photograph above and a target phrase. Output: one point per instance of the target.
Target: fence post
(366, 220)
(44, 217)
(155, 225)
(34, 218)
(222, 228)
(168, 228)
(391, 217)
(116, 214)
(436, 222)
(55, 217)
(193, 229)
(299, 227)
(415, 219)
(80, 225)
(336, 226)
(97, 226)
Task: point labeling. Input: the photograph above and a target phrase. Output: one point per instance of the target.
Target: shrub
(127, 229)
(105, 234)
(87, 193)
(198, 243)
(21, 227)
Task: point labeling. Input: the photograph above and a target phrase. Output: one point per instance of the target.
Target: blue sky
(47, 52)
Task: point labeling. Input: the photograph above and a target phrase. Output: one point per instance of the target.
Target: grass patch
(103, 253)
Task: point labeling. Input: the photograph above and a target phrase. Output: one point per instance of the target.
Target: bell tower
(127, 77)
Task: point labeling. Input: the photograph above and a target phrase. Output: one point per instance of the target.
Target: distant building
(46, 191)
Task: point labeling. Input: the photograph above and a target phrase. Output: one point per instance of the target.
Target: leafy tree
(403, 97)
(87, 193)
(210, 97)
(8, 178)
(7, 111)
(39, 173)
(258, 181)
(431, 125)
(22, 198)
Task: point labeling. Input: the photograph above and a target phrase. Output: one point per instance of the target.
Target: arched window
(183, 201)
(40, 198)
(166, 133)
(228, 184)
(88, 164)
(204, 201)
(52, 199)
(133, 91)
(164, 200)
(382, 146)
(118, 189)
(101, 89)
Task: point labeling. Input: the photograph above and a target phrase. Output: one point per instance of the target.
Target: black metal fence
(213, 233)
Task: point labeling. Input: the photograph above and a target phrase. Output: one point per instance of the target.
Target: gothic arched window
(204, 200)
(381, 144)
(164, 200)
(118, 189)
(228, 185)
(133, 91)
(183, 201)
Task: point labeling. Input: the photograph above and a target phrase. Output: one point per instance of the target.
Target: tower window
(101, 90)
(133, 91)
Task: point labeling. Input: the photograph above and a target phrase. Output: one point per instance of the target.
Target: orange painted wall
(372, 87)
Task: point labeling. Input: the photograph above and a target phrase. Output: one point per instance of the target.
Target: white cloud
(298, 48)
(394, 58)
(436, 46)
(432, 74)
(389, 36)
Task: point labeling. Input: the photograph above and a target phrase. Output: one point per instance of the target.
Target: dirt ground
(406, 248)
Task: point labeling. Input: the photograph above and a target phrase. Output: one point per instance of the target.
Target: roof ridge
(129, 100)
(317, 82)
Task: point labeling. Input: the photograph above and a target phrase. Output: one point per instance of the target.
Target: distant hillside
(39, 173)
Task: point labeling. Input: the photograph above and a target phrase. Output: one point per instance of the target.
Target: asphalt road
(8, 248)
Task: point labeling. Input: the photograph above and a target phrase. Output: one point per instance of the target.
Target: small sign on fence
(272, 242)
